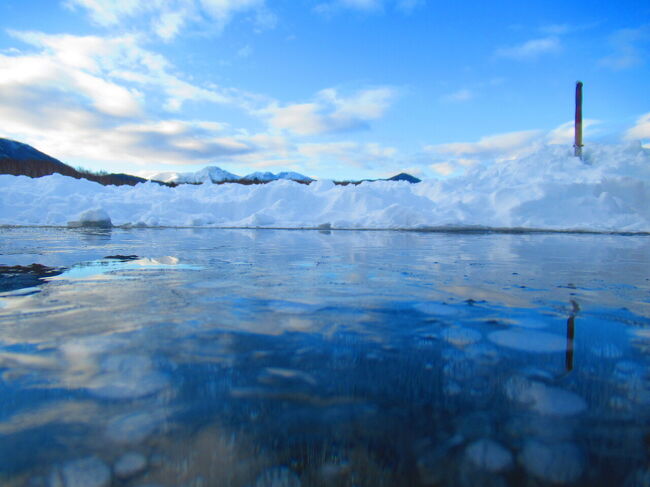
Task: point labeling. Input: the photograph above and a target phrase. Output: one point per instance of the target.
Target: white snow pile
(609, 191)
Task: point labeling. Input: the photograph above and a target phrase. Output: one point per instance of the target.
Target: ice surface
(489, 455)
(550, 189)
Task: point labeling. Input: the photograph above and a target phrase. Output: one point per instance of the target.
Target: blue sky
(329, 88)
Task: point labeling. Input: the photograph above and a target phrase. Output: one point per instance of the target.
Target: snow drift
(548, 190)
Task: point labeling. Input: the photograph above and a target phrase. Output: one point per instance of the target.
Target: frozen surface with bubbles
(201, 357)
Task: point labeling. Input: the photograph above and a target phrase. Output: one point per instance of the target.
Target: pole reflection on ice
(570, 333)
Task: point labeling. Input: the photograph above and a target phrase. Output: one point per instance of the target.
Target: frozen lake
(175, 357)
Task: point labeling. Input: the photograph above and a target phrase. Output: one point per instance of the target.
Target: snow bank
(547, 190)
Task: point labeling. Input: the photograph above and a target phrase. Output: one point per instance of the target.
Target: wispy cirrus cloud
(630, 48)
(91, 97)
(168, 18)
(499, 145)
(530, 49)
(368, 6)
(108, 99)
(459, 96)
(330, 112)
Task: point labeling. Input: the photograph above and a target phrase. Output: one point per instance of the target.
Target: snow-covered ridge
(548, 190)
(11, 149)
(215, 174)
(212, 174)
(269, 176)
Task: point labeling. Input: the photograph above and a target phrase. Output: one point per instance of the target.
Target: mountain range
(19, 159)
(217, 175)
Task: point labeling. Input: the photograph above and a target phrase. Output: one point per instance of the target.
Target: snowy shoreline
(548, 191)
(450, 230)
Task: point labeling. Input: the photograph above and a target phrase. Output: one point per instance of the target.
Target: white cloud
(167, 18)
(641, 129)
(630, 48)
(530, 49)
(444, 168)
(368, 6)
(330, 112)
(107, 12)
(245, 51)
(45, 72)
(364, 155)
(101, 67)
(502, 146)
(446, 159)
(565, 133)
(458, 96)
(87, 97)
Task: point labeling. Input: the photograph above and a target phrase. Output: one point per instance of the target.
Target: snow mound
(92, 218)
(548, 190)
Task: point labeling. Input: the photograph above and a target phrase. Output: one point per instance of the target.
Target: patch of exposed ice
(559, 463)
(460, 336)
(607, 350)
(528, 341)
(278, 477)
(85, 472)
(129, 465)
(489, 455)
(134, 427)
(127, 377)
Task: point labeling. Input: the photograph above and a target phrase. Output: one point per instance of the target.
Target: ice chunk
(92, 218)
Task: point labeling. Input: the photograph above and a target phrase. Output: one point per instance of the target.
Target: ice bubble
(86, 472)
(559, 463)
(134, 427)
(437, 309)
(129, 465)
(529, 341)
(489, 455)
(460, 336)
(483, 354)
(127, 377)
(544, 399)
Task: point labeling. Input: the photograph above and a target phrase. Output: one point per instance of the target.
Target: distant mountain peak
(269, 176)
(212, 174)
(405, 177)
(12, 149)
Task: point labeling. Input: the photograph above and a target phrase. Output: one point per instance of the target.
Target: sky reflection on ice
(386, 357)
